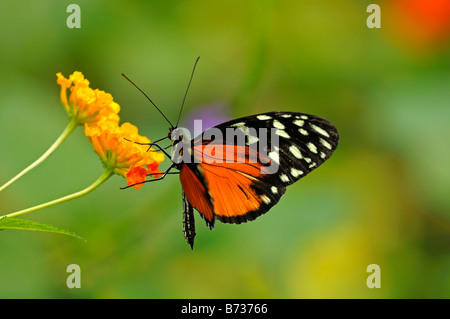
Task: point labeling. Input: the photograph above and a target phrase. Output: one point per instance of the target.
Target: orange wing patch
(231, 192)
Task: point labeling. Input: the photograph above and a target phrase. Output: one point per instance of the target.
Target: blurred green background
(382, 198)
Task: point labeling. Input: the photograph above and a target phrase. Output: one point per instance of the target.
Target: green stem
(107, 174)
(69, 129)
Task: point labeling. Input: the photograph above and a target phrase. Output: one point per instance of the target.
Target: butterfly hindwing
(237, 195)
(196, 192)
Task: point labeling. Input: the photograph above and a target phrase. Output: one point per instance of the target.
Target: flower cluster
(120, 147)
(84, 104)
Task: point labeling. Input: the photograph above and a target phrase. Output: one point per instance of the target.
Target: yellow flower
(119, 151)
(113, 143)
(84, 104)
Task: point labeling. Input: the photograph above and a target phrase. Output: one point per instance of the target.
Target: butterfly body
(238, 170)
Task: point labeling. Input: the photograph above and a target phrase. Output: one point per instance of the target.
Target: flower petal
(136, 175)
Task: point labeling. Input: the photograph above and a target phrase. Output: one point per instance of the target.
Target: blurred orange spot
(421, 23)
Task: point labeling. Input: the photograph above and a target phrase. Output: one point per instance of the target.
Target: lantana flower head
(121, 149)
(119, 146)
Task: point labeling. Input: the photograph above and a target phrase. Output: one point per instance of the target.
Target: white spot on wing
(295, 151)
(312, 165)
(299, 122)
(295, 172)
(303, 132)
(284, 178)
(274, 190)
(312, 147)
(319, 130)
(238, 124)
(325, 143)
(265, 199)
(282, 133)
(252, 139)
(263, 117)
(275, 156)
(278, 124)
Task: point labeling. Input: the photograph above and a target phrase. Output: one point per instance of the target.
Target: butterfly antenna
(185, 94)
(149, 100)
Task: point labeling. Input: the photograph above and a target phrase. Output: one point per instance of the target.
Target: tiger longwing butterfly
(238, 170)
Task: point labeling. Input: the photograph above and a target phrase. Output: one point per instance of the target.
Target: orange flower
(116, 145)
(419, 24)
(136, 176)
(118, 149)
(86, 105)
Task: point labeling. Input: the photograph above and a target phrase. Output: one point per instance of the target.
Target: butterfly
(238, 170)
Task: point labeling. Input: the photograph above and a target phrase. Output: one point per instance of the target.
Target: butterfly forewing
(298, 144)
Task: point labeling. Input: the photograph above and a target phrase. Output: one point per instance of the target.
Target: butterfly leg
(162, 177)
(152, 144)
(156, 179)
(162, 150)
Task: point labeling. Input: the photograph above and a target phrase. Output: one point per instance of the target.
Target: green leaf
(24, 224)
